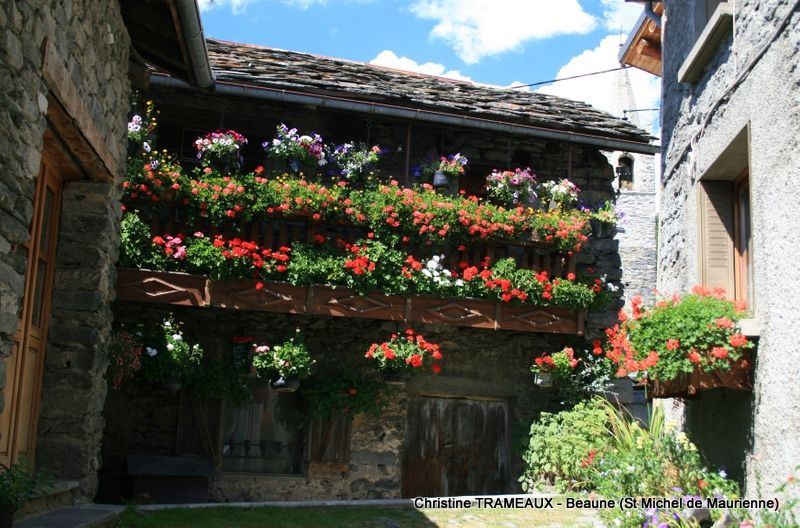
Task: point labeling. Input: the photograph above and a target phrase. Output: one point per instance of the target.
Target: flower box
(344, 302)
(524, 318)
(280, 297)
(738, 377)
(475, 313)
(162, 287)
(272, 296)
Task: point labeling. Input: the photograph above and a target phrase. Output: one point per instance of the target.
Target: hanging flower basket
(738, 377)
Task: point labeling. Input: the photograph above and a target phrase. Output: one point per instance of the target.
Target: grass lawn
(366, 517)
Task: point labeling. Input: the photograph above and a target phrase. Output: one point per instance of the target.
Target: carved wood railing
(284, 230)
(280, 297)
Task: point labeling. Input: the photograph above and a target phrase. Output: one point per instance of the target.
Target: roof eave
(223, 87)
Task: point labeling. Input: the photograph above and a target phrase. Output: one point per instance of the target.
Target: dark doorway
(455, 447)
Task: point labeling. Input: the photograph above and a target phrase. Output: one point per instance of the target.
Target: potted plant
(405, 353)
(17, 486)
(124, 357)
(550, 368)
(558, 194)
(683, 344)
(355, 161)
(221, 150)
(284, 364)
(604, 219)
(512, 188)
(442, 172)
(296, 150)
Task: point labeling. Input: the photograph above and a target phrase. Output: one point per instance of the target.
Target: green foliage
(563, 447)
(169, 357)
(336, 394)
(366, 266)
(136, 247)
(657, 461)
(290, 359)
(679, 335)
(18, 484)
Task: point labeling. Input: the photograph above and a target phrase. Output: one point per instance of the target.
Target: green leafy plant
(343, 394)
(289, 359)
(653, 461)
(169, 358)
(408, 351)
(677, 335)
(18, 484)
(564, 446)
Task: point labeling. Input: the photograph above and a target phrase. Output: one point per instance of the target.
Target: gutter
(195, 42)
(399, 112)
(649, 13)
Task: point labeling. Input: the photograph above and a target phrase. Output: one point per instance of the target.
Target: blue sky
(499, 42)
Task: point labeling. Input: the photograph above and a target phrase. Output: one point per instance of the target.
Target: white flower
(136, 119)
(432, 264)
(150, 351)
(459, 282)
(427, 273)
(177, 337)
(170, 347)
(167, 324)
(133, 127)
(723, 473)
(146, 146)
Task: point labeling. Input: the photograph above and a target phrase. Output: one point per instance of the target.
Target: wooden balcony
(286, 230)
(279, 297)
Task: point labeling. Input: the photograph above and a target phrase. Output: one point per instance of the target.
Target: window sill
(705, 48)
(749, 327)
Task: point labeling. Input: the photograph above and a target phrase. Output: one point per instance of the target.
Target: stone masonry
(751, 84)
(74, 52)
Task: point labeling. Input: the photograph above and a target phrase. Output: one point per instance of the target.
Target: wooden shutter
(199, 427)
(328, 445)
(716, 248)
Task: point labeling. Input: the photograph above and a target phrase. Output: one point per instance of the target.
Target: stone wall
(72, 54)
(751, 85)
(477, 364)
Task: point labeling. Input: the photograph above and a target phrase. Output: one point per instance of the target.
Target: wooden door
(24, 367)
(455, 447)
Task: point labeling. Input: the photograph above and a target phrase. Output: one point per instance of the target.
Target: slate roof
(312, 74)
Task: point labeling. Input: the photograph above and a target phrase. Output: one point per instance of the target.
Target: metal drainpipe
(337, 103)
(649, 13)
(192, 28)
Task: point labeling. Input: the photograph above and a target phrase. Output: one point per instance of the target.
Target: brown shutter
(715, 246)
(199, 427)
(328, 446)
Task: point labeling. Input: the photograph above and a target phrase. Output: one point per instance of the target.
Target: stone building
(66, 70)
(728, 217)
(484, 397)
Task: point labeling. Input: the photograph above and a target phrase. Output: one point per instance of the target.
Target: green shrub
(564, 446)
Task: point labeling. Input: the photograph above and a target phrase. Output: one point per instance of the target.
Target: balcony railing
(280, 231)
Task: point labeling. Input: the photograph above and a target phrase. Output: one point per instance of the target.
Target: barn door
(24, 367)
(455, 447)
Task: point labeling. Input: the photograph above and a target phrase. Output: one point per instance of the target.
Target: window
(725, 240)
(704, 9)
(713, 22)
(272, 434)
(264, 435)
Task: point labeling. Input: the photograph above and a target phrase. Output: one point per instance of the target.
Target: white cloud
(599, 90)
(237, 6)
(389, 59)
(480, 28)
(620, 15)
